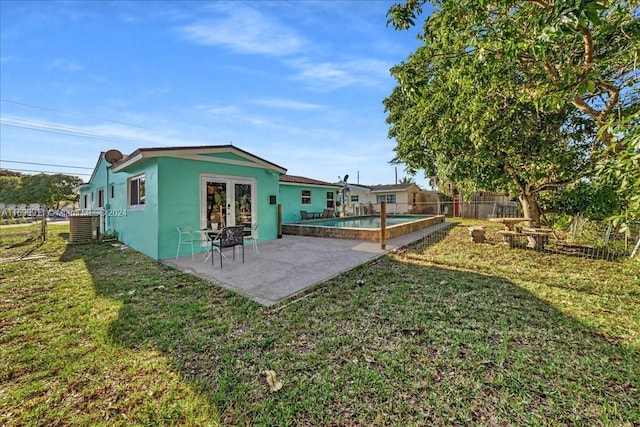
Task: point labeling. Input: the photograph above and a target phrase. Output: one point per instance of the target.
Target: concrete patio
(288, 266)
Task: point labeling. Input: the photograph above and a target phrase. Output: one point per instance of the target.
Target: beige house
(359, 199)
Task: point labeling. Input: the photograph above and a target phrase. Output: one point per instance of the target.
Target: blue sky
(299, 83)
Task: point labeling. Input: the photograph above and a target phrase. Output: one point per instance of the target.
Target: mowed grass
(453, 334)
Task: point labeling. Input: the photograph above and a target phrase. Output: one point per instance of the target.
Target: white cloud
(65, 65)
(127, 18)
(287, 104)
(336, 75)
(245, 30)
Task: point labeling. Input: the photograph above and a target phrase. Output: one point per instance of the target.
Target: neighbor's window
(306, 197)
(136, 191)
(330, 204)
(355, 198)
(85, 201)
(389, 198)
(101, 198)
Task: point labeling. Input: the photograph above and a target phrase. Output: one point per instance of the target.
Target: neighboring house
(146, 195)
(298, 193)
(357, 199)
(400, 199)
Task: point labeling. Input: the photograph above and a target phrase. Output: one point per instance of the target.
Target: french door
(227, 201)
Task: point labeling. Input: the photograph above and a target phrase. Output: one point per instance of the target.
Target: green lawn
(453, 334)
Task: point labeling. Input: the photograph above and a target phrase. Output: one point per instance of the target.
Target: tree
(514, 94)
(588, 199)
(622, 171)
(47, 190)
(9, 183)
(407, 180)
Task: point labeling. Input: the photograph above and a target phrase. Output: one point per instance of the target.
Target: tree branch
(581, 105)
(513, 176)
(588, 46)
(540, 3)
(551, 71)
(559, 184)
(614, 92)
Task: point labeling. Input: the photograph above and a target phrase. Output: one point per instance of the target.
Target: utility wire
(69, 113)
(45, 164)
(39, 171)
(61, 130)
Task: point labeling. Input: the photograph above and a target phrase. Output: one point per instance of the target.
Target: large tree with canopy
(525, 96)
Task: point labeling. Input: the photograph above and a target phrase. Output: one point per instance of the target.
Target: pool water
(366, 222)
(362, 228)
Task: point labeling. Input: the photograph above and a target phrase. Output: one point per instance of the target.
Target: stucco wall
(180, 203)
(291, 200)
(173, 199)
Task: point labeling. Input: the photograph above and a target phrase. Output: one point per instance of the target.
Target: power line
(39, 171)
(45, 164)
(61, 130)
(70, 114)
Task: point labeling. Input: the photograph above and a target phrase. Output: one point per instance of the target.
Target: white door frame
(230, 181)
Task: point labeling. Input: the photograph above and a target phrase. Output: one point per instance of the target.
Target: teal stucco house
(298, 193)
(146, 195)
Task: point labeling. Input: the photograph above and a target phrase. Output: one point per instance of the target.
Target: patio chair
(304, 215)
(328, 213)
(250, 237)
(230, 237)
(211, 236)
(185, 237)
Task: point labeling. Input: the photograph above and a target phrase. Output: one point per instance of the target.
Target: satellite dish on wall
(113, 156)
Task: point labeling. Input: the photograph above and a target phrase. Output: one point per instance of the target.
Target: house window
(355, 198)
(330, 202)
(92, 197)
(306, 197)
(136, 191)
(101, 198)
(389, 198)
(111, 191)
(85, 201)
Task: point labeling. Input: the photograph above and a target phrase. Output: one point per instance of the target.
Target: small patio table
(509, 223)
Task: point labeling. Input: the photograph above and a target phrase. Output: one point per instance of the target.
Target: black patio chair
(230, 237)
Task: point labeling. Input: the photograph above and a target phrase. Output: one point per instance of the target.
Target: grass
(453, 334)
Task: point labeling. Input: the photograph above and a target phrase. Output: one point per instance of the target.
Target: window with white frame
(85, 201)
(306, 197)
(330, 200)
(136, 191)
(389, 198)
(111, 191)
(355, 198)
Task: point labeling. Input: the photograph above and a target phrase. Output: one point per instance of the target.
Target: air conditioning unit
(84, 228)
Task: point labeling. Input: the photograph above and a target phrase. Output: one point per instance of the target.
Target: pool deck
(289, 266)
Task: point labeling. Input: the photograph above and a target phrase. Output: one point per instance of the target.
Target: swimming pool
(366, 221)
(362, 227)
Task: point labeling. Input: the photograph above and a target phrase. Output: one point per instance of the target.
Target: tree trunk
(530, 208)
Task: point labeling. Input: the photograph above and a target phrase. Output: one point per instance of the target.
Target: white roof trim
(251, 161)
